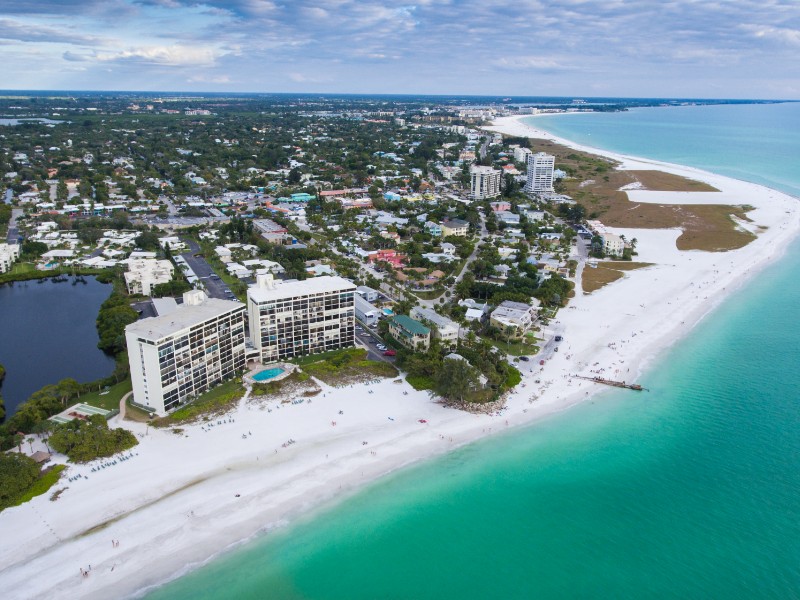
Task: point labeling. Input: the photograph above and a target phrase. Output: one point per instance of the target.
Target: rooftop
(410, 325)
(183, 317)
(315, 285)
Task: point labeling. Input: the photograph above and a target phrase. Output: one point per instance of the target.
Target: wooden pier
(611, 382)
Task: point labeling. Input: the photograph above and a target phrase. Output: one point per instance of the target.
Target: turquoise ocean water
(689, 491)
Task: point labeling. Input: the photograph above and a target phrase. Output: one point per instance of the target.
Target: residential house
(365, 311)
(433, 228)
(367, 293)
(393, 257)
(455, 227)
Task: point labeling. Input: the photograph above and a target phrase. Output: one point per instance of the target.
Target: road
(13, 230)
(215, 287)
(481, 236)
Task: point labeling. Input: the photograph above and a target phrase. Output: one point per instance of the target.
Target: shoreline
(174, 508)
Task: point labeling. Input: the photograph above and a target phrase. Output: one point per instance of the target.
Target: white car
(381, 347)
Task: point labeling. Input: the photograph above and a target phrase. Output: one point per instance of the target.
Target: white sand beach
(182, 499)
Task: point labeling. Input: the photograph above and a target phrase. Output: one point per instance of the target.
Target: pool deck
(78, 411)
(287, 368)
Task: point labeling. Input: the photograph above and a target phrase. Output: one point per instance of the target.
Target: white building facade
(485, 182)
(301, 317)
(443, 328)
(180, 355)
(8, 254)
(145, 273)
(540, 173)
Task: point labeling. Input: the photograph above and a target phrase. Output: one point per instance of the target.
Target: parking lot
(215, 287)
(369, 339)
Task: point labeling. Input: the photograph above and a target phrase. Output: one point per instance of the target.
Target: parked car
(381, 347)
(524, 358)
(390, 353)
(559, 338)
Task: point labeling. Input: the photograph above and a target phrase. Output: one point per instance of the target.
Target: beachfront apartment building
(442, 328)
(485, 182)
(540, 173)
(300, 317)
(8, 254)
(186, 351)
(613, 244)
(514, 318)
(145, 273)
(409, 332)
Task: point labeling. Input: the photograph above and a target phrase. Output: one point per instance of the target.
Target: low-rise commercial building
(300, 317)
(180, 355)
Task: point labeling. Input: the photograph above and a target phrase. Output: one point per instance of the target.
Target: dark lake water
(47, 333)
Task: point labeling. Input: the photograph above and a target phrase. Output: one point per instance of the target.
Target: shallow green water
(688, 491)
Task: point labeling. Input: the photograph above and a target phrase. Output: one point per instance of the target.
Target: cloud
(570, 45)
(169, 56)
(23, 32)
(528, 63)
(781, 35)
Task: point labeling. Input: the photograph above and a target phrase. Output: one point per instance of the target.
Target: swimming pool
(267, 374)
(388, 312)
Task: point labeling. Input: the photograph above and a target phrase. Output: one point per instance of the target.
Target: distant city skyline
(623, 48)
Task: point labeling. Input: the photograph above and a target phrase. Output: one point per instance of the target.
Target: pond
(48, 334)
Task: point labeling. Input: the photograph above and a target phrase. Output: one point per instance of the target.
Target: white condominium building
(485, 182)
(184, 353)
(144, 273)
(521, 154)
(540, 172)
(8, 254)
(300, 317)
(443, 328)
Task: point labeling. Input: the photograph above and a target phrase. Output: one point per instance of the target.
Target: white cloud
(154, 55)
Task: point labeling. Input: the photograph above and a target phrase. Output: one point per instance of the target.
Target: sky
(580, 48)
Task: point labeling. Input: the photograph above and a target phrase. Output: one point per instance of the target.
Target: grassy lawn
(46, 480)
(108, 401)
(134, 413)
(349, 366)
(314, 358)
(516, 347)
(22, 267)
(606, 272)
(213, 402)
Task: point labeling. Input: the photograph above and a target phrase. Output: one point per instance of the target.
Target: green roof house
(412, 334)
